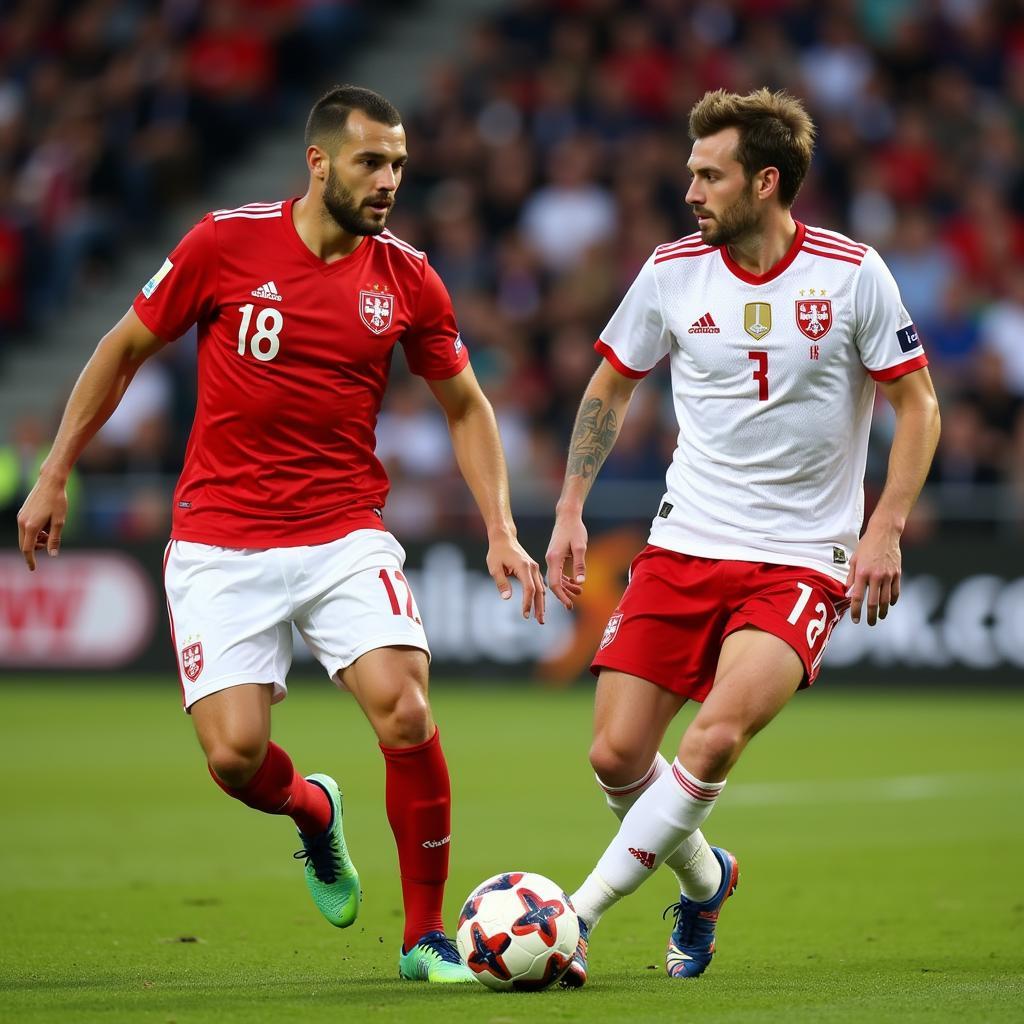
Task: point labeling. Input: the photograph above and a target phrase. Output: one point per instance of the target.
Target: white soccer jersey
(773, 384)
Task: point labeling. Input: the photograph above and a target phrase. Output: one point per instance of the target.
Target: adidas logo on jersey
(705, 325)
(266, 291)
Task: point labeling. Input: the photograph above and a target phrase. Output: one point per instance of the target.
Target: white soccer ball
(517, 931)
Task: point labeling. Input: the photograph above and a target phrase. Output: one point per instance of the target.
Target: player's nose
(387, 180)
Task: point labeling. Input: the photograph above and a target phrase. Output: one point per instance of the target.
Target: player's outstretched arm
(600, 416)
(877, 563)
(481, 459)
(95, 396)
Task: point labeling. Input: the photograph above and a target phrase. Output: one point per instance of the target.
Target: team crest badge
(757, 319)
(610, 630)
(375, 309)
(192, 661)
(814, 317)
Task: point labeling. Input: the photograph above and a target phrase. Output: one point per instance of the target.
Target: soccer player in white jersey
(777, 335)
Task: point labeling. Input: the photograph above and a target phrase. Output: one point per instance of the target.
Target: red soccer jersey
(293, 359)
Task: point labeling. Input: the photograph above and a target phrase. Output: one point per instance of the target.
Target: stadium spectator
(571, 212)
(920, 262)
(231, 70)
(950, 327)
(1002, 326)
(12, 245)
(109, 113)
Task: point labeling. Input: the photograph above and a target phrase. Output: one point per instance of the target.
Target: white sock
(670, 810)
(696, 868)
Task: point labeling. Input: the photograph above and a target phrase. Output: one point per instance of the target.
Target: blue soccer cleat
(692, 943)
(576, 973)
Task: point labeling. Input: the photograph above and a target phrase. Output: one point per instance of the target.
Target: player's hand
(41, 519)
(506, 557)
(875, 571)
(568, 546)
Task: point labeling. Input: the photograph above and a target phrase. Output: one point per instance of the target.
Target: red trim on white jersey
(626, 371)
(770, 275)
(683, 253)
(688, 242)
(901, 369)
(826, 254)
(830, 240)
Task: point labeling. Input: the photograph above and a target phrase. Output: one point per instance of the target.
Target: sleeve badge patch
(154, 282)
(908, 338)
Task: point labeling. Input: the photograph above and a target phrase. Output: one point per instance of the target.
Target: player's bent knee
(615, 766)
(236, 765)
(407, 722)
(712, 749)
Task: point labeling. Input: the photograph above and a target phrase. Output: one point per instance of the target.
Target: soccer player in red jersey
(278, 513)
(777, 334)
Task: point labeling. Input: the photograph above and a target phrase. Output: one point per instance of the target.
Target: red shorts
(678, 609)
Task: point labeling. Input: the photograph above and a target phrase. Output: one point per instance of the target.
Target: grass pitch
(880, 838)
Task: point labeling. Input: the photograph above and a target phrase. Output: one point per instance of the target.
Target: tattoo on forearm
(592, 438)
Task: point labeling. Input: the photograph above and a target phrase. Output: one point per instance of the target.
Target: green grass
(880, 836)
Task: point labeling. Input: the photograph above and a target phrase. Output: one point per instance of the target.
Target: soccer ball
(518, 930)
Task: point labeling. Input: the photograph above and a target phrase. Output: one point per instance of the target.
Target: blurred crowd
(547, 161)
(111, 112)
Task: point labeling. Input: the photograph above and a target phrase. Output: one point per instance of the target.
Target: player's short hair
(325, 125)
(775, 131)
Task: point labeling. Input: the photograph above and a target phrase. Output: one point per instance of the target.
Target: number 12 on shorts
(816, 626)
(410, 609)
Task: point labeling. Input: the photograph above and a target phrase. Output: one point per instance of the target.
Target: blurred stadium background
(548, 147)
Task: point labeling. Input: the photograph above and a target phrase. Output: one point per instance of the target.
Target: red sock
(277, 788)
(418, 796)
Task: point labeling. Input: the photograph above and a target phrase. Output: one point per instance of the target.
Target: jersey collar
(774, 272)
(298, 245)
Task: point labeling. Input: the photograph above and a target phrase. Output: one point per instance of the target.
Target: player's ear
(767, 182)
(318, 163)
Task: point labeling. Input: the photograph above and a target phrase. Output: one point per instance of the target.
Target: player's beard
(346, 212)
(734, 224)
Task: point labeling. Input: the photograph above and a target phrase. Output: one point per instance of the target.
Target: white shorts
(231, 609)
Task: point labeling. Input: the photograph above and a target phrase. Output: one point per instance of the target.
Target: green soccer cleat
(330, 874)
(435, 959)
